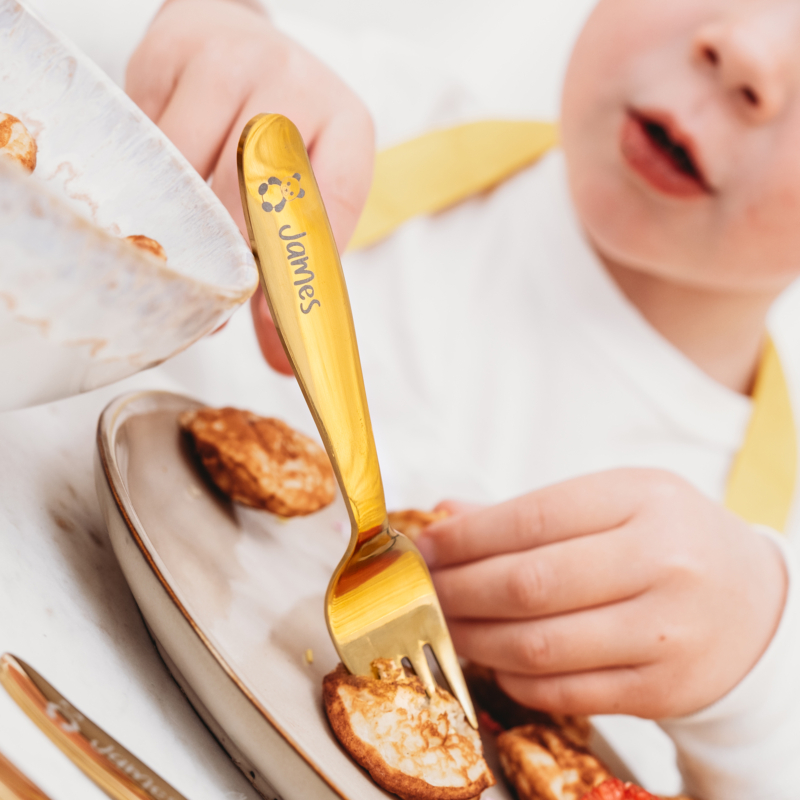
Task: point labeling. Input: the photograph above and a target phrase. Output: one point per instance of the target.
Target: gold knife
(16, 786)
(116, 771)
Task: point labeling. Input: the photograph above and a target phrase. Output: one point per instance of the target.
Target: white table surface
(67, 610)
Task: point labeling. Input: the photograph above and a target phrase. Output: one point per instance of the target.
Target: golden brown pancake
(418, 747)
(542, 763)
(261, 462)
(16, 142)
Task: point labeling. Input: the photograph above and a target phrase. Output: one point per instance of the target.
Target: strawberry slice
(615, 789)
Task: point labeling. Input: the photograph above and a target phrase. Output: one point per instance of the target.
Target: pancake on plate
(418, 747)
(259, 461)
(545, 755)
(542, 763)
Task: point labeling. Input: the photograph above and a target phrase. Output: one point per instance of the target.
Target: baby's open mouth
(662, 155)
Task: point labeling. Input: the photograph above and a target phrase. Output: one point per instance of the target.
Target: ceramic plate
(75, 300)
(234, 600)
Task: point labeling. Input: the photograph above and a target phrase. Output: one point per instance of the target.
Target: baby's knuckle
(527, 585)
(566, 696)
(683, 567)
(348, 189)
(629, 694)
(661, 487)
(534, 650)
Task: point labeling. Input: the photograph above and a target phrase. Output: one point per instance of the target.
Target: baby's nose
(754, 56)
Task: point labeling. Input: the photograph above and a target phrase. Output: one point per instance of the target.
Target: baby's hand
(206, 67)
(626, 591)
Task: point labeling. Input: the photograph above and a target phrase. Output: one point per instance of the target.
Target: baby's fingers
(599, 638)
(342, 156)
(267, 335)
(205, 105)
(153, 70)
(554, 579)
(625, 690)
(581, 506)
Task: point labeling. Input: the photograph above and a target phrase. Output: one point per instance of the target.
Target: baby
(635, 291)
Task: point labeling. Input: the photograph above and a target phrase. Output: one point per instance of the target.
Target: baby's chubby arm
(626, 591)
(206, 67)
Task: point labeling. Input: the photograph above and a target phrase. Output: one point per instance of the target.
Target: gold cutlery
(16, 786)
(380, 602)
(116, 771)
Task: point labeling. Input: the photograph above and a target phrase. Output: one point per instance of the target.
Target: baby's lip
(661, 152)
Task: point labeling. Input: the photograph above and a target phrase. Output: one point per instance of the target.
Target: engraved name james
(296, 253)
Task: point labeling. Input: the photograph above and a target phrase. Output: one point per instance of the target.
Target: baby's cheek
(769, 232)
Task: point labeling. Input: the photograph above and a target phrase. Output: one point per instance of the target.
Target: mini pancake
(418, 747)
(261, 462)
(541, 763)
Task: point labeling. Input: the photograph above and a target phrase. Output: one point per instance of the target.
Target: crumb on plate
(16, 142)
(148, 245)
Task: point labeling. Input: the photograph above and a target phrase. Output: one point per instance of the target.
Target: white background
(511, 51)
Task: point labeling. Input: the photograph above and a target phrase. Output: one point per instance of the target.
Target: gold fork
(380, 602)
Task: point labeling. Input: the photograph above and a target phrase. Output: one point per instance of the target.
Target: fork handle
(302, 277)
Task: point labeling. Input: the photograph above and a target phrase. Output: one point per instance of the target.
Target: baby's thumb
(267, 335)
(342, 157)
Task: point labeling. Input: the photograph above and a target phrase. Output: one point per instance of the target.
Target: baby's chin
(635, 252)
(630, 232)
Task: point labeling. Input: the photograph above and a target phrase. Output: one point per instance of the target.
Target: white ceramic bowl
(79, 307)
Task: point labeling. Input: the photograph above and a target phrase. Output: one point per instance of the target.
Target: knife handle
(302, 277)
(16, 786)
(115, 770)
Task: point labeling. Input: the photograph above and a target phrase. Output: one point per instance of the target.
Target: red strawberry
(490, 723)
(615, 789)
